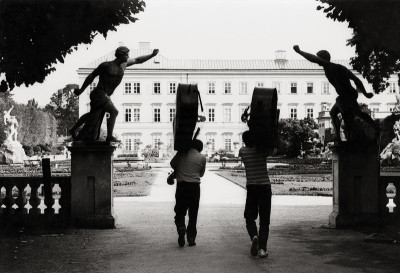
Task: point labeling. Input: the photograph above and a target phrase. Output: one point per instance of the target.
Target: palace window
(172, 87)
(172, 112)
(277, 85)
(157, 114)
(136, 144)
(156, 143)
(211, 114)
(243, 87)
(136, 114)
(128, 144)
(228, 142)
(211, 139)
(392, 87)
(128, 114)
(227, 88)
(157, 88)
(325, 88)
(211, 88)
(128, 88)
(136, 87)
(227, 114)
(310, 88)
(293, 88)
(310, 113)
(293, 113)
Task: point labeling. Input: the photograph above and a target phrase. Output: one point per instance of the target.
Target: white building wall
(147, 130)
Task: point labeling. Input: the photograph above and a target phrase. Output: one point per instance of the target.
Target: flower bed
(128, 181)
(304, 184)
(292, 169)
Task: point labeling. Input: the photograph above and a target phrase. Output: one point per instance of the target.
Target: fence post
(48, 194)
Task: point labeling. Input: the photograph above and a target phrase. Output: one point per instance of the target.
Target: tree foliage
(295, 135)
(64, 107)
(387, 132)
(36, 127)
(376, 36)
(35, 34)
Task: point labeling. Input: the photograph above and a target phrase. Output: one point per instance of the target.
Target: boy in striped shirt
(258, 200)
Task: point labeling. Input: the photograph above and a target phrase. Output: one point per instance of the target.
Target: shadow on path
(145, 240)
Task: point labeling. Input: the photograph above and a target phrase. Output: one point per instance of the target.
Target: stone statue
(110, 76)
(11, 124)
(357, 126)
(11, 150)
(392, 150)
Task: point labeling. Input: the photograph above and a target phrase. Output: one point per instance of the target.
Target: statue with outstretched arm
(340, 78)
(110, 76)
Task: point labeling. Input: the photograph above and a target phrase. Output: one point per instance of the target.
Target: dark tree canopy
(36, 127)
(35, 34)
(295, 134)
(64, 107)
(376, 36)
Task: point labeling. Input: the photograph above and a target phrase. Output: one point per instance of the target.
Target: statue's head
(121, 51)
(324, 55)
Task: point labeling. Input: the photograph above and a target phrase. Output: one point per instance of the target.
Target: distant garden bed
(128, 181)
(306, 184)
(310, 176)
(321, 168)
(133, 182)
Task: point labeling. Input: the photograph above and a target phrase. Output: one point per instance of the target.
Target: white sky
(209, 29)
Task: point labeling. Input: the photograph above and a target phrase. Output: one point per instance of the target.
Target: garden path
(145, 240)
(218, 190)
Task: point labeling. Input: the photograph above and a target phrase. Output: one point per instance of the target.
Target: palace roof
(162, 63)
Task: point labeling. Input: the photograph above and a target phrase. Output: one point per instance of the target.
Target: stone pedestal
(11, 151)
(355, 186)
(92, 184)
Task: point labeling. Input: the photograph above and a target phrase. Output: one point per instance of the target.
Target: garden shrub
(28, 150)
(37, 149)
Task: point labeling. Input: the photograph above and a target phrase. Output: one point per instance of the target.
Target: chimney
(144, 45)
(280, 55)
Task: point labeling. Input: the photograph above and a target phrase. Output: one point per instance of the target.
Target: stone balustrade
(36, 202)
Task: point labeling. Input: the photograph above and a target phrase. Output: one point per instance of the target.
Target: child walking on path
(258, 200)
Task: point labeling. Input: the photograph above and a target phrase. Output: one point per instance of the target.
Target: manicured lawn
(133, 182)
(299, 184)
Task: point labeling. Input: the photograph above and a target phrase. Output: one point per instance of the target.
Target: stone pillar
(355, 174)
(92, 184)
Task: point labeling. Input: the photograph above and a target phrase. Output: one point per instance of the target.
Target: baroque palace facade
(146, 96)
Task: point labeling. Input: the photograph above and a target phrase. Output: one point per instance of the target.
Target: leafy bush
(35, 125)
(296, 135)
(28, 150)
(45, 147)
(61, 148)
(37, 149)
